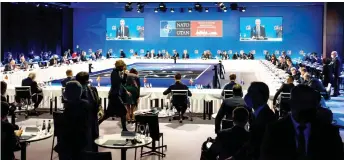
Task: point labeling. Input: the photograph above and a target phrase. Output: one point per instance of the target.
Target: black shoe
(335, 95)
(180, 121)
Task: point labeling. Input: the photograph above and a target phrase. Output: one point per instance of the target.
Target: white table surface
(102, 139)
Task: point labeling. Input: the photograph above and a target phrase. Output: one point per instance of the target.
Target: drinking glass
(142, 130)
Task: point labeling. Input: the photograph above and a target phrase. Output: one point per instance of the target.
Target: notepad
(115, 143)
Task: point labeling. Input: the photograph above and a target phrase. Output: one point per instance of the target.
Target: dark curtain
(26, 27)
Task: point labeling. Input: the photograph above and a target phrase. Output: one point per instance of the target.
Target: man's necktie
(258, 31)
(301, 141)
(122, 31)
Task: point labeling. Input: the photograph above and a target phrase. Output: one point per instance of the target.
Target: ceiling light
(172, 10)
(206, 10)
(242, 9)
(190, 9)
(156, 10)
(225, 9)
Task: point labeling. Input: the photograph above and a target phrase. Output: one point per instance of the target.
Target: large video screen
(125, 29)
(261, 29)
(197, 28)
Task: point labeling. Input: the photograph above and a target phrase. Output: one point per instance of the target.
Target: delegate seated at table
(178, 104)
(228, 105)
(35, 89)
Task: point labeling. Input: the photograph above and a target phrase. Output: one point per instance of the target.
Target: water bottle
(43, 126)
(150, 85)
(201, 87)
(49, 125)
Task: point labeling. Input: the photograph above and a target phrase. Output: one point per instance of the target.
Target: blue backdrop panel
(302, 30)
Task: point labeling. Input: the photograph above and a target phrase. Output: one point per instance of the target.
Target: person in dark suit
(83, 57)
(3, 91)
(267, 56)
(327, 72)
(229, 86)
(301, 135)
(228, 105)
(9, 137)
(229, 141)
(35, 89)
(285, 88)
(122, 55)
(250, 56)
(179, 105)
(90, 94)
(185, 55)
(10, 66)
(257, 97)
(337, 67)
(175, 54)
(303, 71)
(115, 105)
(23, 63)
(109, 54)
(289, 66)
(295, 74)
(76, 133)
(285, 56)
(69, 74)
(235, 56)
(242, 55)
(258, 31)
(313, 83)
(281, 63)
(122, 30)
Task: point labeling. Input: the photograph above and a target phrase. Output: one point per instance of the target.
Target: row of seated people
(300, 134)
(330, 72)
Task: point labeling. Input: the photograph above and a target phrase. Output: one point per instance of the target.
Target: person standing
(90, 94)
(116, 106)
(133, 86)
(337, 66)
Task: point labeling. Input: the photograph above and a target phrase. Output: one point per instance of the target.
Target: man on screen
(122, 30)
(258, 31)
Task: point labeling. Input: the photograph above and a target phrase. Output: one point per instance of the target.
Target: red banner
(206, 28)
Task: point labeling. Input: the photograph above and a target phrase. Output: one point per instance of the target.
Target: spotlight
(234, 6)
(140, 7)
(206, 9)
(242, 9)
(172, 10)
(221, 5)
(162, 7)
(128, 7)
(190, 9)
(37, 5)
(60, 8)
(225, 9)
(46, 5)
(198, 7)
(156, 10)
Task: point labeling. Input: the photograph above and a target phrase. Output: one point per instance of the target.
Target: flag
(98, 79)
(144, 80)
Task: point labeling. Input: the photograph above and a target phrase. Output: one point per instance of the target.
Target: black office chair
(180, 98)
(152, 121)
(96, 155)
(227, 94)
(58, 127)
(23, 97)
(284, 104)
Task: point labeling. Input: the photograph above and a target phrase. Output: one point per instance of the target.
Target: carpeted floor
(183, 141)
